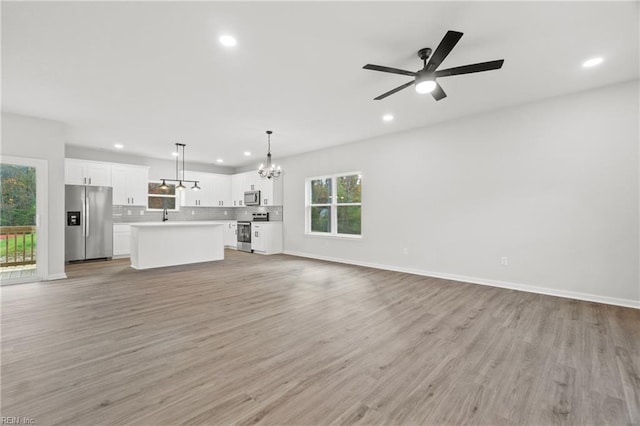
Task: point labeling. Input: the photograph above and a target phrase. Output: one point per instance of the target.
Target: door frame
(42, 215)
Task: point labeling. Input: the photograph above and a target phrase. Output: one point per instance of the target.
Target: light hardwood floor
(286, 340)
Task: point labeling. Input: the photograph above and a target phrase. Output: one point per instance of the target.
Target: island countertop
(179, 223)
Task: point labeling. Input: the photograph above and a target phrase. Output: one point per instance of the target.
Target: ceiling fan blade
(447, 44)
(468, 69)
(391, 92)
(388, 69)
(438, 93)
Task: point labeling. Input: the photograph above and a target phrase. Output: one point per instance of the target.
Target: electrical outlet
(193, 212)
(141, 212)
(504, 261)
(128, 212)
(277, 212)
(225, 212)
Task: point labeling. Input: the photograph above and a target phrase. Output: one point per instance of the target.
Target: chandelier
(271, 171)
(181, 181)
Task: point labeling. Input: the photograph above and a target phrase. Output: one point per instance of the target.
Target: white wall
(31, 137)
(553, 185)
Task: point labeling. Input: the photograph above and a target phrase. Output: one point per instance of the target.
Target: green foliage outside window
(349, 189)
(321, 191)
(321, 219)
(349, 220)
(18, 188)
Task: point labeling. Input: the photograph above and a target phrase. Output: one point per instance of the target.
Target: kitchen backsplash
(125, 214)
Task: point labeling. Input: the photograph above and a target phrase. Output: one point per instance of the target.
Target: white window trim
(334, 207)
(177, 196)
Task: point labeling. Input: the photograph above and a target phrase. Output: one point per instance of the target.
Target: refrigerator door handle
(86, 215)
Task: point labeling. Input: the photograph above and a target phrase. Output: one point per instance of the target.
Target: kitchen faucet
(165, 215)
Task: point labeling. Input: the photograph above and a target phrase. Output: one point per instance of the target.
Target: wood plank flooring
(286, 340)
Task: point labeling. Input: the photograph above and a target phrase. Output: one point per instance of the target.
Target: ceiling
(149, 74)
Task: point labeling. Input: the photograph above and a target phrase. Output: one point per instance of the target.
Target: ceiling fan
(425, 79)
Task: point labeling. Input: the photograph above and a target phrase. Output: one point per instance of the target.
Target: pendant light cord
(177, 161)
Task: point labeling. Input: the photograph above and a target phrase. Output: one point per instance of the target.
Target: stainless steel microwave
(252, 198)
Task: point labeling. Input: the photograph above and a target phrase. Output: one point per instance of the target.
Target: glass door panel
(18, 228)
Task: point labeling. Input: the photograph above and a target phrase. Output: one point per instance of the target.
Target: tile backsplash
(125, 214)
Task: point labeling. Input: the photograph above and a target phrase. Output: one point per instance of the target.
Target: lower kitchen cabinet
(230, 235)
(266, 237)
(121, 239)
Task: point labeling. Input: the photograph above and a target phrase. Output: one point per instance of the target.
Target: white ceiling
(148, 74)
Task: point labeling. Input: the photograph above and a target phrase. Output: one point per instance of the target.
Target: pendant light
(179, 179)
(271, 171)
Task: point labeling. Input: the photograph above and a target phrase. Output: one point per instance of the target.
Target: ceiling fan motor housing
(424, 53)
(424, 75)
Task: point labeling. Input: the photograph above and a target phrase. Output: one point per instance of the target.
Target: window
(334, 205)
(160, 199)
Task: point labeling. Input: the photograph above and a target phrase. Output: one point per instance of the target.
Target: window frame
(175, 195)
(333, 205)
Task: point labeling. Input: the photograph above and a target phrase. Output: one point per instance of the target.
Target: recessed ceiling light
(175, 154)
(118, 145)
(387, 117)
(219, 160)
(592, 62)
(227, 40)
(247, 153)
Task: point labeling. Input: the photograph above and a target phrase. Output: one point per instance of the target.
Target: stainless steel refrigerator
(89, 230)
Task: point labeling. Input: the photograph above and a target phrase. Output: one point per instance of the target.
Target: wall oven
(244, 236)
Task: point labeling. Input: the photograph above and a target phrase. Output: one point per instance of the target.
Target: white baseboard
(628, 303)
(53, 277)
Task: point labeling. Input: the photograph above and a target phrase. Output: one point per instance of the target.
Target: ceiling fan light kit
(425, 82)
(425, 79)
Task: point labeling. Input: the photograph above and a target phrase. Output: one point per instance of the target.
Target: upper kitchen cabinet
(271, 192)
(221, 185)
(270, 189)
(84, 172)
(215, 190)
(251, 181)
(200, 198)
(130, 185)
(237, 190)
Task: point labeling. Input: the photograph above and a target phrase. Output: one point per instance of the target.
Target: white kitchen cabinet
(270, 189)
(221, 185)
(230, 235)
(266, 237)
(202, 197)
(85, 172)
(121, 239)
(215, 190)
(130, 184)
(271, 192)
(237, 189)
(252, 181)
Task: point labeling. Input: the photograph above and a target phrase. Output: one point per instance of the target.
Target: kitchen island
(158, 244)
